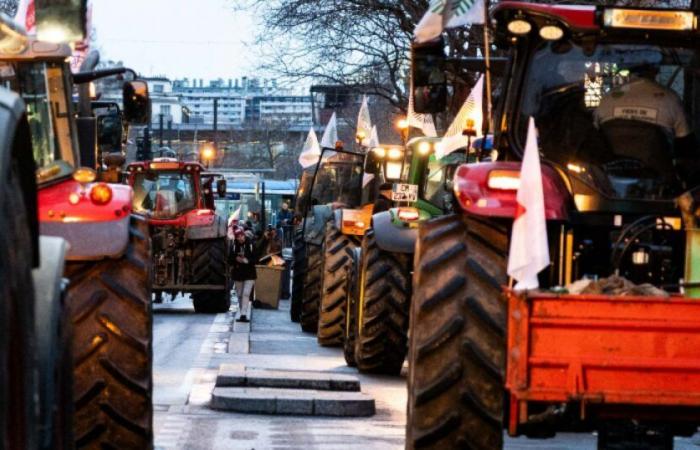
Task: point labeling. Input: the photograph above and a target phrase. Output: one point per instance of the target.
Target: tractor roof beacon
(612, 168)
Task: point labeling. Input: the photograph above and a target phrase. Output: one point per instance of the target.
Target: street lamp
(207, 153)
(403, 127)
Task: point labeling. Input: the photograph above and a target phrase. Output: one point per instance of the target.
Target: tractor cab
(335, 182)
(168, 189)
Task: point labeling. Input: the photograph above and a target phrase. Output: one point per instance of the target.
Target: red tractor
(189, 241)
(75, 350)
(483, 358)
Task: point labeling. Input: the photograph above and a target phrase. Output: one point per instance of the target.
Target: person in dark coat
(242, 262)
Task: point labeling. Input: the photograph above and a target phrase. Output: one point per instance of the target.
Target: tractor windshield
(616, 116)
(44, 89)
(164, 195)
(338, 181)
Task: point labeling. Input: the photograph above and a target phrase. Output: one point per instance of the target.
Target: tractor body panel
(604, 352)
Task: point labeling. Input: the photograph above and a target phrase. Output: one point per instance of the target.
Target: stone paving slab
(238, 375)
(292, 402)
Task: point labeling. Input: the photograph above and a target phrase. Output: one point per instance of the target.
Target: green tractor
(379, 280)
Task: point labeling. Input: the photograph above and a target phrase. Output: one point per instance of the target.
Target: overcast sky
(177, 38)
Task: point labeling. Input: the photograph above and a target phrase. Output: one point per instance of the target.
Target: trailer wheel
(337, 252)
(298, 279)
(209, 267)
(382, 309)
(311, 295)
(353, 288)
(18, 383)
(110, 303)
(458, 336)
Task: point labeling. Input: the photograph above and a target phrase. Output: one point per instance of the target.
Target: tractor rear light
(204, 212)
(519, 26)
(551, 32)
(380, 152)
(408, 214)
(393, 170)
(74, 198)
(504, 180)
(101, 194)
(395, 153)
(84, 175)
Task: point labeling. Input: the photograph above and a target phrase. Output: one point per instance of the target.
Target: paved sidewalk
(272, 341)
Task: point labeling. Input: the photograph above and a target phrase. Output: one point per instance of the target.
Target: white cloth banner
(443, 14)
(471, 110)
(311, 152)
(364, 123)
(423, 122)
(330, 134)
(529, 247)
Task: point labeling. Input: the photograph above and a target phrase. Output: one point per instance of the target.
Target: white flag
(443, 14)
(373, 142)
(364, 123)
(330, 135)
(234, 217)
(373, 138)
(529, 248)
(424, 122)
(471, 112)
(311, 151)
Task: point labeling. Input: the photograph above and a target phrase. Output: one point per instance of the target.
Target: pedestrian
(285, 218)
(242, 261)
(269, 243)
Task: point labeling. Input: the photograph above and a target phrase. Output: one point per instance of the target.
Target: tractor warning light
(642, 19)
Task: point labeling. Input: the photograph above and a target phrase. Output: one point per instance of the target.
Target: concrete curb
(238, 375)
(292, 402)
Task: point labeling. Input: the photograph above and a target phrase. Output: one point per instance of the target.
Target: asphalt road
(188, 349)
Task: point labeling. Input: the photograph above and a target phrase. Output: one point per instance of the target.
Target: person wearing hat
(242, 262)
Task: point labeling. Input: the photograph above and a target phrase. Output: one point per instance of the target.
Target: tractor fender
(210, 229)
(48, 297)
(391, 237)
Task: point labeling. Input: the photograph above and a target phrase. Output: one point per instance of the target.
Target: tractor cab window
(164, 195)
(437, 175)
(618, 115)
(339, 181)
(44, 89)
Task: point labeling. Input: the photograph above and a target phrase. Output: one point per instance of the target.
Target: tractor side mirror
(61, 21)
(372, 165)
(109, 132)
(137, 103)
(428, 76)
(221, 188)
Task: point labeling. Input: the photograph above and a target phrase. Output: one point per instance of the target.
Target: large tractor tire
(18, 382)
(209, 267)
(458, 336)
(311, 295)
(110, 303)
(382, 309)
(337, 251)
(353, 288)
(298, 277)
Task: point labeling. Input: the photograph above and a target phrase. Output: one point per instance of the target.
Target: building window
(165, 110)
(158, 88)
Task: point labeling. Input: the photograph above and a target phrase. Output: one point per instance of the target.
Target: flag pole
(487, 66)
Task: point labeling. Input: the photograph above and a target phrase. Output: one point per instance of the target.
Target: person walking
(285, 217)
(242, 261)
